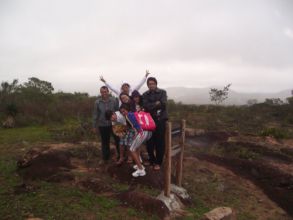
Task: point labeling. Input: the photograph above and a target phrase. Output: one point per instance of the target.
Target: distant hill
(201, 96)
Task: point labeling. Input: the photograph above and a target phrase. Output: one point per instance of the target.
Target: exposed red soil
(46, 165)
(144, 202)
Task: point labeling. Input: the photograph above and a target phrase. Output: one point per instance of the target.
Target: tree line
(34, 102)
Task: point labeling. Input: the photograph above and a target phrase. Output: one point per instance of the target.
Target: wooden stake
(179, 167)
(168, 145)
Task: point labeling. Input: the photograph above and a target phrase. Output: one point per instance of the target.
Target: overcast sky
(191, 43)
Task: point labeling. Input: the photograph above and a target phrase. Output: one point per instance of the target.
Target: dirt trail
(270, 178)
(260, 204)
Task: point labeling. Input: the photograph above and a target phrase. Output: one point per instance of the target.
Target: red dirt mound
(144, 202)
(46, 165)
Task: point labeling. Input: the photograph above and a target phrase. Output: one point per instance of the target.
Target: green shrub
(274, 132)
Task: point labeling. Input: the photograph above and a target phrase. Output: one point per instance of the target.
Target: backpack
(145, 120)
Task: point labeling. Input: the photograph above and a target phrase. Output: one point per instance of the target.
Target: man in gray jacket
(102, 104)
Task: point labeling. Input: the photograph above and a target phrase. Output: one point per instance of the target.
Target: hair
(152, 79)
(135, 93)
(124, 106)
(125, 84)
(108, 114)
(123, 93)
(104, 87)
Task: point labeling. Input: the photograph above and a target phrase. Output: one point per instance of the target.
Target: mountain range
(202, 96)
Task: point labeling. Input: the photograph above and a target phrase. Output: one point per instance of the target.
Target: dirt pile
(46, 164)
(144, 202)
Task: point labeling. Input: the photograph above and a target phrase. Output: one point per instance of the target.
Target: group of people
(113, 117)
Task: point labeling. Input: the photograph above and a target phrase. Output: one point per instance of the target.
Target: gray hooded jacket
(100, 107)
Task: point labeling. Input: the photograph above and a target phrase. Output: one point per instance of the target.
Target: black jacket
(158, 112)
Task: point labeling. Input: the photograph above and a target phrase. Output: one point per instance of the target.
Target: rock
(181, 193)
(172, 202)
(9, 122)
(220, 213)
(271, 140)
(32, 217)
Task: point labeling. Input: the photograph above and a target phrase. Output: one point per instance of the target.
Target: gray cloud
(185, 43)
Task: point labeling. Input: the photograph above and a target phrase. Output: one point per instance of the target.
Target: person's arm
(96, 114)
(147, 105)
(137, 87)
(163, 101)
(111, 87)
(160, 104)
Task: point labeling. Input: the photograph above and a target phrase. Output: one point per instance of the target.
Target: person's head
(152, 83)
(124, 109)
(136, 96)
(124, 97)
(104, 91)
(125, 88)
(110, 115)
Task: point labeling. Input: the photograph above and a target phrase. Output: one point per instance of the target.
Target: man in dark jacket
(155, 102)
(102, 104)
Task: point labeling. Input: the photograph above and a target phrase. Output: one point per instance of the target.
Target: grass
(27, 134)
(52, 201)
(198, 210)
(119, 187)
(49, 200)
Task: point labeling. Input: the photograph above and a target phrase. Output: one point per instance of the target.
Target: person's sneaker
(138, 173)
(136, 167)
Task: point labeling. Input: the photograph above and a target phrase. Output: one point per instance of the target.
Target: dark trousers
(156, 145)
(105, 133)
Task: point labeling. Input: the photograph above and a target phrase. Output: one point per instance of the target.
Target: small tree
(290, 100)
(7, 97)
(274, 101)
(219, 95)
(251, 102)
(39, 86)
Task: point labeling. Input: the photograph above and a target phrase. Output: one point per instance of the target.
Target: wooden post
(179, 167)
(168, 144)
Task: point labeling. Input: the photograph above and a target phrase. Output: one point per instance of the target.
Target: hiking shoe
(136, 167)
(138, 173)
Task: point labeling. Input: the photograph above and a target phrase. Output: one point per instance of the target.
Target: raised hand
(147, 72)
(102, 79)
